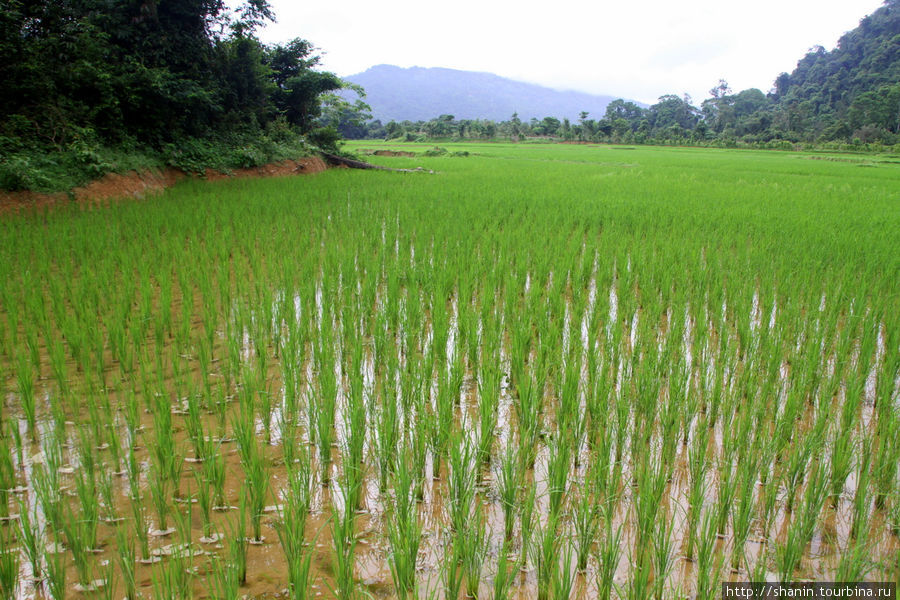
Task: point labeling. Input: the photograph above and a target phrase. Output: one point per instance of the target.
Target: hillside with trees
(91, 86)
(848, 97)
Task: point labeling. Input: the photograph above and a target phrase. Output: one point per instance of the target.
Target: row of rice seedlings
(343, 533)
(403, 527)
(291, 526)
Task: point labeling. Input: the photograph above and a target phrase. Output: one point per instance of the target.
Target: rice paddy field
(542, 371)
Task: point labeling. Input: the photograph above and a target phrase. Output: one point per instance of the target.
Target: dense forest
(92, 85)
(849, 96)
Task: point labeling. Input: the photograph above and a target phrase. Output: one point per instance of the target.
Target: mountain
(419, 94)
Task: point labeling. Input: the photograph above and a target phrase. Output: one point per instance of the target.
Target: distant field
(541, 371)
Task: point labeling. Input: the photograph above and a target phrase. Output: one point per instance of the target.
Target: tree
(622, 109)
(348, 118)
(672, 111)
(149, 72)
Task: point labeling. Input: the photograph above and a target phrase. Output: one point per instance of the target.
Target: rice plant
(404, 532)
(31, 536)
(344, 541)
(56, 573)
(9, 566)
(473, 547)
(126, 560)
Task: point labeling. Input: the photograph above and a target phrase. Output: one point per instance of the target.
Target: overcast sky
(634, 49)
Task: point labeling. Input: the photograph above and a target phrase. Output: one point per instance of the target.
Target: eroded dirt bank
(115, 186)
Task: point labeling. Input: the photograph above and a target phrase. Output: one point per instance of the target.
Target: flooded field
(541, 372)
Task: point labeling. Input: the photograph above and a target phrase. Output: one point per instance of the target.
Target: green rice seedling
(344, 541)
(172, 579)
(813, 500)
(842, 448)
(213, 467)
(355, 425)
(126, 560)
(224, 579)
(287, 425)
(257, 478)
(558, 466)
(237, 548)
(789, 551)
(639, 576)
(106, 493)
(386, 436)
(650, 481)
(404, 531)
(696, 494)
(322, 405)
(167, 462)
(489, 397)
(545, 551)
(461, 482)
(194, 424)
(89, 500)
(56, 573)
(527, 517)
(663, 549)
(78, 534)
(138, 510)
(452, 571)
(473, 541)
(160, 496)
(509, 481)
(31, 536)
(9, 566)
(856, 559)
(725, 497)
(299, 569)
(504, 578)
(768, 502)
(795, 469)
(564, 581)
(528, 418)
(418, 449)
(7, 475)
(608, 552)
(204, 503)
(742, 516)
(25, 380)
(443, 417)
(290, 529)
(114, 444)
(709, 561)
(862, 498)
(243, 421)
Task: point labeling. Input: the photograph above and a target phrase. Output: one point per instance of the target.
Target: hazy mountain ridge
(419, 93)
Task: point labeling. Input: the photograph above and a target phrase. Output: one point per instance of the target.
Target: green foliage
(187, 82)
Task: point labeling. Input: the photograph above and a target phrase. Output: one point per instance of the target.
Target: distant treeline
(90, 84)
(848, 96)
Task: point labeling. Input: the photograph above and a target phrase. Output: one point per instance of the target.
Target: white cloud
(639, 50)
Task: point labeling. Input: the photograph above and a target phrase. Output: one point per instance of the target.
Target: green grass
(706, 338)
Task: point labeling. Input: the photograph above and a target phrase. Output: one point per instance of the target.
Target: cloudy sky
(635, 49)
